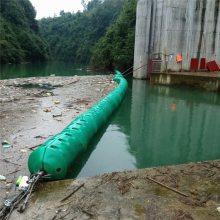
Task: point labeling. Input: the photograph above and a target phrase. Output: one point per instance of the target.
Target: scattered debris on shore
(33, 110)
(189, 191)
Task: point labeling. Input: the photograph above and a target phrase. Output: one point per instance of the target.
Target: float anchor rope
(54, 158)
(127, 72)
(10, 205)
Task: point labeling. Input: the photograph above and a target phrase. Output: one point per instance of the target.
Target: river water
(158, 125)
(10, 71)
(154, 126)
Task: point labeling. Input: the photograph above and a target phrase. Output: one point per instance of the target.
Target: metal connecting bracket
(10, 205)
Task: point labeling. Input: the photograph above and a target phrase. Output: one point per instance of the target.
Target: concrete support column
(142, 38)
(170, 27)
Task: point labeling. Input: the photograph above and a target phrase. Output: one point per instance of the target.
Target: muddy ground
(183, 192)
(33, 110)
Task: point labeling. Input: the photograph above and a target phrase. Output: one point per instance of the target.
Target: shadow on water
(80, 162)
(108, 151)
(83, 158)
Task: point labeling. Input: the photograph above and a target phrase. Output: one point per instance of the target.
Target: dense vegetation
(71, 36)
(116, 48)
(102, 35)
(19, 34)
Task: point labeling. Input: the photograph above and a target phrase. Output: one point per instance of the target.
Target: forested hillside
(102, 35)
(72, 36)
(116, 48)
(19, 34)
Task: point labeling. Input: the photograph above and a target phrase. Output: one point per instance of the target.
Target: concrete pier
(165, 28)
(205, 80)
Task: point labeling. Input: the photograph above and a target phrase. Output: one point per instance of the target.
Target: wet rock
(47, 110)
(57, 114)
(49, 94)
(5, 142)
(58, 119)
(29, 98)
(56, 102)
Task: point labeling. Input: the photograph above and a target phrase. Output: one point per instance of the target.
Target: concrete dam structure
(165, 28)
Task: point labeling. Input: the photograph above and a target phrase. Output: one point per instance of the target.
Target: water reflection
(157, 125)
(108, 155)
(173, 125)
(111, 147)
(80, 162)
(9, 71)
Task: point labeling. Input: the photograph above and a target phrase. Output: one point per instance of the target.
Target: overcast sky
(46, 8)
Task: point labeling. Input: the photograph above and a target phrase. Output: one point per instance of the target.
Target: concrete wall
(190, 27)
(205, 82)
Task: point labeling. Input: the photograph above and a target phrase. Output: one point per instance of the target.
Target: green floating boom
(57, 154)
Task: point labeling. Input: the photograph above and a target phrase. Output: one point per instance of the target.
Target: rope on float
(24, 195)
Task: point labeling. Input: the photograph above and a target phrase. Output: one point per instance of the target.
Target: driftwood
(73, 82)
(170, 188)
(90, 214)
(7, 161)
(13, 172)
(74, 191)
(62, 217)
(33, 147)
(55, 216)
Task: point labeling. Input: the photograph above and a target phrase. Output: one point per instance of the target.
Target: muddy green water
(10, 71)
(158, 125)
(154, 126)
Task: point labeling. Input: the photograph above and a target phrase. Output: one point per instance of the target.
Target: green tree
(116, 48)
(19, 35)
(71, 36)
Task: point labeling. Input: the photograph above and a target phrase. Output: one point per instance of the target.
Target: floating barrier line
(57, 154)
